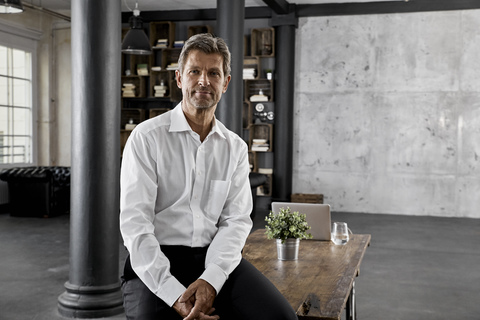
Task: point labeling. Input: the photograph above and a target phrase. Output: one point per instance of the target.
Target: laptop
(318, 217)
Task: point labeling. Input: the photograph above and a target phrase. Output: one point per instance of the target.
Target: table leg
(351, 308)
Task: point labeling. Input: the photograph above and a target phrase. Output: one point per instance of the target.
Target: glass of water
(340, 233)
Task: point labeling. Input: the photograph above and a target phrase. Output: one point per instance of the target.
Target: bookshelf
(259, 59)
(153, 90)
(157, 92)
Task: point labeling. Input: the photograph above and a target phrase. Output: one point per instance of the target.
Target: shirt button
(197, 216)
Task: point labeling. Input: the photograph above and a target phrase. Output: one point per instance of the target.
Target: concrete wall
(387, 112)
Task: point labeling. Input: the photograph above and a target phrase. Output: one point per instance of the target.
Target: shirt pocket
(217, 196)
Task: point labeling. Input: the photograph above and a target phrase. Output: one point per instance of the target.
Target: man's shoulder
(231, 136)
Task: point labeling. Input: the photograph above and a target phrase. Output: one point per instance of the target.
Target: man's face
(202, 80)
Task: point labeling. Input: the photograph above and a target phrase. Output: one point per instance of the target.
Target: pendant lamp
(136, 41)
(11, 6)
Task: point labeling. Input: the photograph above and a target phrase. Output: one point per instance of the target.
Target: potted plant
(269, 74)
(288, 228)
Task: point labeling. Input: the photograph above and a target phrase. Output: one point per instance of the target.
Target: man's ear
(178, 77)
(227, 81)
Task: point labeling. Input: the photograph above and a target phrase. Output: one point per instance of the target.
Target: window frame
(18, 37)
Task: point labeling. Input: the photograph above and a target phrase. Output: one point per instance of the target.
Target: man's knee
(254, 296)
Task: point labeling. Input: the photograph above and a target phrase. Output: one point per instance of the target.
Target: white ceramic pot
(288, 250)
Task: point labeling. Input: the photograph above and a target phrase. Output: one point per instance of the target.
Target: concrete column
(93, 289)
(284, 94)
(230, 21)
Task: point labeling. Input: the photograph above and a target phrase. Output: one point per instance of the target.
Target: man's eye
(194, 71)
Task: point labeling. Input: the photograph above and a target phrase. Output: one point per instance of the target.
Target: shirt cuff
(171, 290)
(214, 275)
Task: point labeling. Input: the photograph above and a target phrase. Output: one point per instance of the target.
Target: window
(15, 106)
(18, 139)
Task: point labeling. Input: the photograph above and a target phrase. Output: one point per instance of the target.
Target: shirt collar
(179, 123)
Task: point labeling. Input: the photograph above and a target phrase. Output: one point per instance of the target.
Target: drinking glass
(340, 233)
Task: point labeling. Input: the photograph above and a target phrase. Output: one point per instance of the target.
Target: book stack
(178, 44)
(162, 43)
(249, 73)
(156, 68)
(260, 145)
(260, 97)
(172, 66)
(130, 125)
(128, 90)
(160, 90)
(142, 69)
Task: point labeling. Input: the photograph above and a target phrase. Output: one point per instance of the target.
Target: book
(178, 44)
(160, 90)
(130, 126)
(172, 66)
(162, 43)
(265, 170)
(260, 148)
(249, 73)
(142, 69)
(260, 145)
(258, 98)
(128, 90)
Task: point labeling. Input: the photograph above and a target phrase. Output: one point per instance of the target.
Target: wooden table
(320, 284)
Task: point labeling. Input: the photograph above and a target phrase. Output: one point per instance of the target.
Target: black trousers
(247, 294)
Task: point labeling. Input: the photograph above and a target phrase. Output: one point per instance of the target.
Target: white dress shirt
(176, 190)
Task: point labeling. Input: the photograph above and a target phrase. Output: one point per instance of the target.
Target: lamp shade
(11, 6)
(136, 41)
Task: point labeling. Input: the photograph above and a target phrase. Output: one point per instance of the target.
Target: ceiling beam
(278, 6)
(197, 14)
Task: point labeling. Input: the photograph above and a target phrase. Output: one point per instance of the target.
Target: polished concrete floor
(416, 267)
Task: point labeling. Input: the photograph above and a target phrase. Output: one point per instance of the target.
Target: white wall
(54, 84)
(387, 112)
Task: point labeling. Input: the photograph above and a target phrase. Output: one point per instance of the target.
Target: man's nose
(203, 79)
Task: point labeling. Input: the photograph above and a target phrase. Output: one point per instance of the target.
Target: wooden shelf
(176, 93)
(263, 116)
(162, 30)
(265, 190)
(139, 82)
(252, 160)
(261, 131)
(169, 56)
(253, 87)
(152, 113)
(135, 60)
(124, 134)
(193, 30)
(252, 63)
(263, 42)
(137, 115)
(246, 115)
(156, 79)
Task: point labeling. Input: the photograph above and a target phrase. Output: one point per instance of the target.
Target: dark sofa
(38, 191)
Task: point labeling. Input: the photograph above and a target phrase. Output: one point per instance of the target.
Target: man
(186, 203)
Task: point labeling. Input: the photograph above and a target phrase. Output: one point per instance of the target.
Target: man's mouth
(202, 92)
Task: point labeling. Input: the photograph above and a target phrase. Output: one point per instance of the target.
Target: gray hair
(208, 44)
